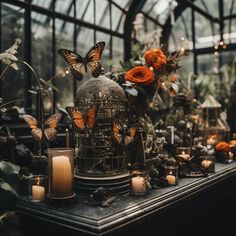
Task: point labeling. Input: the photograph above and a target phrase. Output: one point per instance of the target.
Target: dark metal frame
(51, 13)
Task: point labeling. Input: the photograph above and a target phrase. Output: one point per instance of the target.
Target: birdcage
(101, 162)
(212, 127)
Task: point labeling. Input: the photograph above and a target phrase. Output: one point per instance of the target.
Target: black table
(197, 206)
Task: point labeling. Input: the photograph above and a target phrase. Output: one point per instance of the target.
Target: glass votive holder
(139, 184)
(61, 173)
(183, 153)
(171, 175)
(208, 163)
(38, 187)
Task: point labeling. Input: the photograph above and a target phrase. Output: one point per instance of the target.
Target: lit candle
(231, 155)
(184, 156)
(206, 164)
(138, 184)
(211, 140)
(171, 179)
(38, 192)
(61, 176)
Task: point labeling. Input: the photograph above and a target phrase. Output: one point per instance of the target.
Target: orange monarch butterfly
(79, 65)
(123, 136)
(50, 126)
(80, 119)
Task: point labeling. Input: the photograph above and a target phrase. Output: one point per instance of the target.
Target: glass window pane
(205, 63)
(186, 67)
(42, 3)
(116, 15)
(117, 51)
(41, 54)
(204, 37)
(65, 7)
(230, 37)
(120, 25)
(12, 28)
(64, 81)
(89, 13)
(227, 7)
(42, 46)
(102, 14)
(81, 8)
(208, 6)
(106, 52)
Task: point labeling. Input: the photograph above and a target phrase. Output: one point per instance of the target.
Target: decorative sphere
(101, 91)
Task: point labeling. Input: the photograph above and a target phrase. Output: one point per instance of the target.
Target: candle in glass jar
(231, 155)
(138, 184)
(38, 193)
(171, 179)
(61, 175)
(184, 156)
(206, 164)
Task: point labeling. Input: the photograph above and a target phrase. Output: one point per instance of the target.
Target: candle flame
(37, 180)
(183, 152)
(170, 172)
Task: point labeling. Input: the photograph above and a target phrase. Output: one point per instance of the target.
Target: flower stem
(4, 71)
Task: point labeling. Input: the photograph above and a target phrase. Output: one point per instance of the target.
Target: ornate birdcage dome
(101, 162)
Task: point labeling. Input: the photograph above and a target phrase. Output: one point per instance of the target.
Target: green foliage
(8, 184)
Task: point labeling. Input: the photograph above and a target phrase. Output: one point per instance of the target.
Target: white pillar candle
(61, 176)
(138, 184)
(38, 193)
(171, 179)
(231, 155)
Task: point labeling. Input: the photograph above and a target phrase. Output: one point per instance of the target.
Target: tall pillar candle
(61, 176)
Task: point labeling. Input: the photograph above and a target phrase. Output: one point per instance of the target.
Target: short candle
(138, 184)
(171, 179)
(38, 193)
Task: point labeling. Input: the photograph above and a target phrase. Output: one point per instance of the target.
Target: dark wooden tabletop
(126, 212)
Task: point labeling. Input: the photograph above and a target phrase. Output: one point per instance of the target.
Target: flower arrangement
(147, 75)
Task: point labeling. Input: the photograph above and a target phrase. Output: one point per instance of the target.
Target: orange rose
(140, 75)
(155, 58)
(222, 146)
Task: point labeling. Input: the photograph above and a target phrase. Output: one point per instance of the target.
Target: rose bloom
(222, 146)
(155, 58)
(140, 75)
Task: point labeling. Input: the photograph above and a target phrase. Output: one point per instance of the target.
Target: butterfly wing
(52, 121)
(130, 137)
(75, 61)
(95, 53)
(76, 116)
(95, 68)
(51, 124)
(33, 124)
(91, 116)
(77, 71)
(37, 133)
(92, 59)
(117, 130)
(30, 121)
(50, 133)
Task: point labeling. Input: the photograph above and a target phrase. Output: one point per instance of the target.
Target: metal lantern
(212, 128)
(101, 162)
